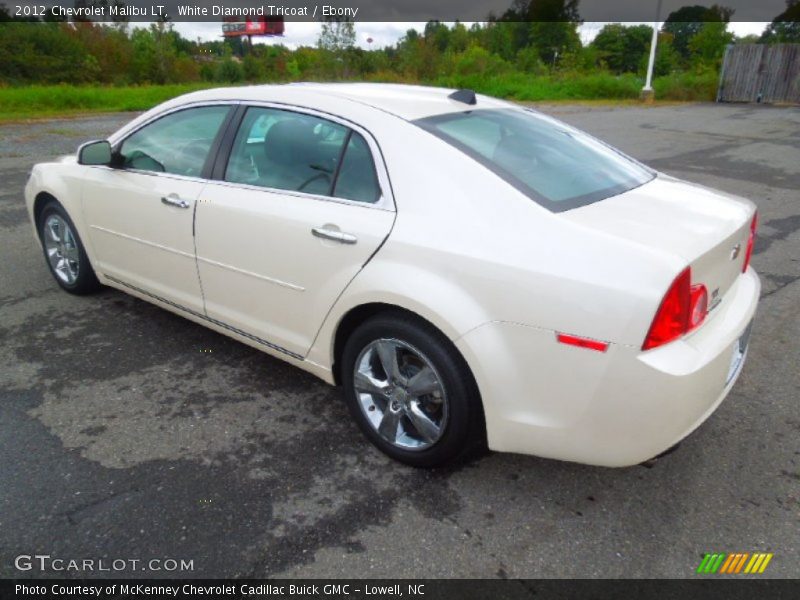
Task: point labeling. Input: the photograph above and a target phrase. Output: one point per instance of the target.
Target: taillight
(698, 305)
(673, 314)
(683, 308)
(750, 242)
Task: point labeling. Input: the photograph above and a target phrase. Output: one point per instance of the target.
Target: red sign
(231, 27)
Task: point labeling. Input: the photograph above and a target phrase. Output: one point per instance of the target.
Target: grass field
(593, 86)
(35, 102)
(519, 86)
(42, 101)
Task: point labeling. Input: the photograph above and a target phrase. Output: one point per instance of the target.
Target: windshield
(554, 164)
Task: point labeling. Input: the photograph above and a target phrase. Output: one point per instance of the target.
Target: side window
(287, 151)
(178, 143)
(357, 179)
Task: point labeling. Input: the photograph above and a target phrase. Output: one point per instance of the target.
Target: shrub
(528, 61)
(229, 71)
(695, 86)
(570, 86)
(479, 61)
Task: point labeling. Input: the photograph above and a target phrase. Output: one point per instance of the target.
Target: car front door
(140, 212)
(298, 209)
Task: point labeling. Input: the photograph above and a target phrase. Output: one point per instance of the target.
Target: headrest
(290, 142)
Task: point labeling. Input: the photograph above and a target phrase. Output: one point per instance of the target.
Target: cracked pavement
(129, 432)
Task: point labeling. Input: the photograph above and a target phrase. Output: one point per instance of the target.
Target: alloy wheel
(401, 394)
(61, 248)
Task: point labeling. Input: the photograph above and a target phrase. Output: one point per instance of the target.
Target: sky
(385, 34)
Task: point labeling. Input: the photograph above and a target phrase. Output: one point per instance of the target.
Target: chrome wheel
(61, 248)
(401, 394)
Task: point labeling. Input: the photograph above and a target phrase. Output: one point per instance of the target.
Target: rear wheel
(411, 392)
(64, 251)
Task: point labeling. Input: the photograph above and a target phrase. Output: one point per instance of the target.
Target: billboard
(258, 25)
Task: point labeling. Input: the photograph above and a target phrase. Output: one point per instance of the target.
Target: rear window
(554, 164)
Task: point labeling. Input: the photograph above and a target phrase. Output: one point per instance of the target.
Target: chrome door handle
(336, 236)
(174, 200)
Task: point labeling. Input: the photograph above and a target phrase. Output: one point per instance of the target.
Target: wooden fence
(761, 73)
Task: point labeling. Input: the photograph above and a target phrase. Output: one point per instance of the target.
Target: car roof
(408, 102)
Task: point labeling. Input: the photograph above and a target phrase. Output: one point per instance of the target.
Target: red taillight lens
(672, 318)
(683, 308)
(698, 305)
(750, 242)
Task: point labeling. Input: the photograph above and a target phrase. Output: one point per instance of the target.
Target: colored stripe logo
(735, 563)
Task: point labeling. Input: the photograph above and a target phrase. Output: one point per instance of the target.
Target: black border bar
(391, 10)
(703, 587)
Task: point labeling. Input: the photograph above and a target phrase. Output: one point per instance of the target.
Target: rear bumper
(614, 409)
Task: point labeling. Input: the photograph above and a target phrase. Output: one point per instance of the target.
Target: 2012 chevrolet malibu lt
(470, 271)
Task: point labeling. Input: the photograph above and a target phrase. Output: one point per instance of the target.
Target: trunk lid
(706, 228)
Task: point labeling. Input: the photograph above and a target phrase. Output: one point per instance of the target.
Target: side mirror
(97, 152)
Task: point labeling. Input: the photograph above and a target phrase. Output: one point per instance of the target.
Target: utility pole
(647, 92)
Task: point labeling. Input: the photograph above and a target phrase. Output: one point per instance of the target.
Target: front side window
(554, 164)
(178, 143)
(292, 151)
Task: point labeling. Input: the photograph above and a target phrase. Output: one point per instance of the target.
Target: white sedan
(471, 272)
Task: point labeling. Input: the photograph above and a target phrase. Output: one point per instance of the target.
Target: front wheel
(411, 392)
(64, 251)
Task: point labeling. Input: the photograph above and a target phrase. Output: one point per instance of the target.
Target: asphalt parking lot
(128, 432)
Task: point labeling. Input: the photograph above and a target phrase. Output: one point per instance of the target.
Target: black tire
(86, 281)
(463, 433)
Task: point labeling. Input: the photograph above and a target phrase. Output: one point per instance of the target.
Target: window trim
(228, 133)
(205, 173)
(386, 198)
(340, 160)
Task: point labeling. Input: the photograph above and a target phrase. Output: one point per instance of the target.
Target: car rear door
(140, 213)
(298, 206)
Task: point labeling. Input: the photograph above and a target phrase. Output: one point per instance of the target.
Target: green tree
(554, 39)
(528, 61)
(479, 61)
(553, 27)
(498, 38)
(337, 35)
(459, 37)
(252, 68)
(109, 48)
(686, 22)
(785, 28)
(416, 57)
(236, 45)
(549, 25)
(708, 45)
(582, 59)
(622, 47)
(336, 40)
(53, 55)
(165, 52)
(667, 58)
(154, 54)
(438, 34)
